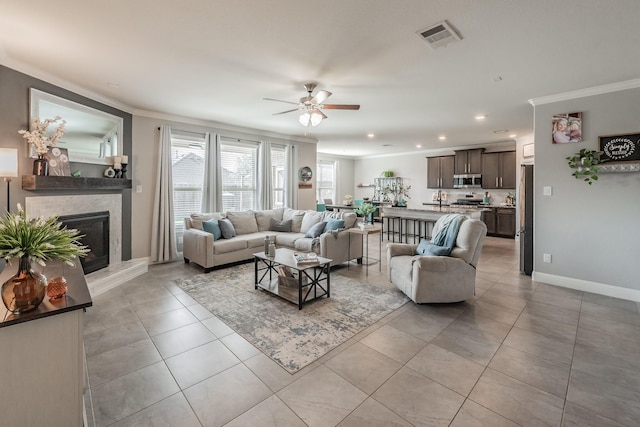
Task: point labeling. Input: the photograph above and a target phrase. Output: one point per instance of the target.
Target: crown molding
(581, 93)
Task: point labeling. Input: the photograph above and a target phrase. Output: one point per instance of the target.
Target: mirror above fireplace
(92, 136)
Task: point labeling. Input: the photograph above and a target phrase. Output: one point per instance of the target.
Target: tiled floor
(520, 353)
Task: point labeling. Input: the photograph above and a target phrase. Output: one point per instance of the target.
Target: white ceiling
(215, 60)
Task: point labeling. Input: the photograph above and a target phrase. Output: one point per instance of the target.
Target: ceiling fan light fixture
(311, 118)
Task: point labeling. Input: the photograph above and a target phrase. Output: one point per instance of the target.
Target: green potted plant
(585, 162)
(366, 210)
(38, 240)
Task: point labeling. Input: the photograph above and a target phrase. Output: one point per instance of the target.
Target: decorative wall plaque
(620, 148)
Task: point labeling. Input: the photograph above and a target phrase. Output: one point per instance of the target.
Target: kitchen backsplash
(496, 197)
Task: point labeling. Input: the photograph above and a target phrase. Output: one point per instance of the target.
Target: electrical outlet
(546, 258)
(546, 191)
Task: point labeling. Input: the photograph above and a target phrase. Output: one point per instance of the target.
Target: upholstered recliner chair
(434, 279)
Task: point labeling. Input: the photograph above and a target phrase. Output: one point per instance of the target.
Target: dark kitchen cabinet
(468, 161)
(500, 221)
(440, 172)
(499, 170)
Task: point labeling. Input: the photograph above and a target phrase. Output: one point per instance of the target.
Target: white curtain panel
(291, 178)
(265, 186)
(163, 235)
(212, 184)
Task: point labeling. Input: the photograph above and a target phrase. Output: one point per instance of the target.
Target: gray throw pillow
(429, 249)
(226, 227)
(280, 225)
(316, 230)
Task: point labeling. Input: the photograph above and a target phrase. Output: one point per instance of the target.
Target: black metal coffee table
(313, 279)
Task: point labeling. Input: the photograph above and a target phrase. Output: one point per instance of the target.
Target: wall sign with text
(620, 148)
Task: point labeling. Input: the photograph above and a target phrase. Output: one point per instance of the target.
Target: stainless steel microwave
(467, 181)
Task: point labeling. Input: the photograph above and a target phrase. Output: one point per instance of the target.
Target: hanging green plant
(585, 162)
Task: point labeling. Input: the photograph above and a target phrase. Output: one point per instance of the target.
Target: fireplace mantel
(36, 183)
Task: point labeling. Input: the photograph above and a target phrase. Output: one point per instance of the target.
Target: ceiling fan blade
(284, 112)
(320, 97)
(340, 106)
(280, 100)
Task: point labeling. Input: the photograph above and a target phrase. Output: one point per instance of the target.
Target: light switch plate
(138, 188)
(546, 190)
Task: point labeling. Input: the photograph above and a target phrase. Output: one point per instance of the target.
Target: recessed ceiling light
(501, 131)
(442, 137)
(371, 135)
(418, 145)
(114, 85)
(481, 117)
(513, 135)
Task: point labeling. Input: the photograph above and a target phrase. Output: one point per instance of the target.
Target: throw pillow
(212, 227)
(429, 249)
(243, 222)
(316, 230)
(310, 219)
(226, 227)
(295, 217)
(280, 225)
(334, 224)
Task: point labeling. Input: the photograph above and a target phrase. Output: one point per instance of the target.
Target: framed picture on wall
(566, 128)
(58, 159)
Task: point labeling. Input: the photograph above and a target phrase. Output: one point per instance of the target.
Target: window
(326, 180)
(239, 160)
(187, 160)
(278, 168)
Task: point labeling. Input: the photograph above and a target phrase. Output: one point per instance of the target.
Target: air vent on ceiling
(439, 35)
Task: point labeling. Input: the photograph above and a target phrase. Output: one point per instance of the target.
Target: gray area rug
(291, 337)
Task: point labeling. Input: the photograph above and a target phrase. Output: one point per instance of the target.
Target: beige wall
(143, 170)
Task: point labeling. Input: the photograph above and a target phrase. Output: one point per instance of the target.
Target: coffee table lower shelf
(311, 281)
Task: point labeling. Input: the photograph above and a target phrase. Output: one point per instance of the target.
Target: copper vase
(24, 291)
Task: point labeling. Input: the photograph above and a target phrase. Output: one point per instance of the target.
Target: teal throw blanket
(448, 232)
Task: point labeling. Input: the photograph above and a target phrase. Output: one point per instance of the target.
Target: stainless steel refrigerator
(525, 232)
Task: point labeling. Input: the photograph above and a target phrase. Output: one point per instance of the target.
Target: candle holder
(124, 171)
(118, 170)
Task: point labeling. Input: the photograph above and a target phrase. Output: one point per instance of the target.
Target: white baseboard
(112, 276)
(587, 286)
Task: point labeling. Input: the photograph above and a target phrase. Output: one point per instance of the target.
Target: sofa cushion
(296, 218)
(427, 248)
(284, 225)
(196, 219)
(310, 219)
(349, 218)
(227, 229)
(212, 227)
(316, 230)
(334, 224)
(223, 246)
(287, 239)
(306, 244)
(254, 240)
(263, 218)
(243, 222)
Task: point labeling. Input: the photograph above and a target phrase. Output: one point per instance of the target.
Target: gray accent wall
(14, 115)
(592, 232)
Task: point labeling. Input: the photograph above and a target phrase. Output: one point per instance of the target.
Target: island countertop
(431, 212)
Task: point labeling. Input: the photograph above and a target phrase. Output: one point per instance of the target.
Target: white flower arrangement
(38, 137)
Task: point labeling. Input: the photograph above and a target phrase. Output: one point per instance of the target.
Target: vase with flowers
(366, 210)
(41, 140)
(38, 240)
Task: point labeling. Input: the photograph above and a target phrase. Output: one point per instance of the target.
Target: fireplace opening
(94, 227)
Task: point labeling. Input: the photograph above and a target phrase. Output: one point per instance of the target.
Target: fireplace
(94, 226)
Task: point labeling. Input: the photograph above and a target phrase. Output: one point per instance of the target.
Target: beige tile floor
(519, 353)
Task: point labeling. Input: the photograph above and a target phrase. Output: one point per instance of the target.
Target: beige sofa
(438, 279)
(251, 228)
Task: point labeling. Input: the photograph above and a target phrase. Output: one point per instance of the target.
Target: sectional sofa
(215, 239)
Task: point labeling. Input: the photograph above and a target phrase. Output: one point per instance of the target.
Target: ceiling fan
(311, 106)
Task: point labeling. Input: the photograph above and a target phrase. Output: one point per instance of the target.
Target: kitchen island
(411, 225)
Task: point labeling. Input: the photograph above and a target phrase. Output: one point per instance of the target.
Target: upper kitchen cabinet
(499, 170)
(468, 161)
(440, 172)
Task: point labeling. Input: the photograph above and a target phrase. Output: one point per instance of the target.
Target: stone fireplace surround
(118, 271)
